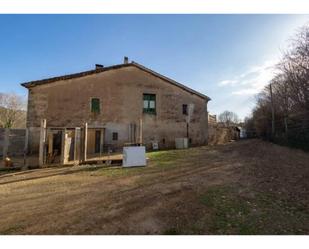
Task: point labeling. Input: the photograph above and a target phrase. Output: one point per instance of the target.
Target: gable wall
(67, 103)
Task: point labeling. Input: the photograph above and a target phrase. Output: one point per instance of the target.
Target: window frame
(185, 109)
(150, 98)
(115, 136)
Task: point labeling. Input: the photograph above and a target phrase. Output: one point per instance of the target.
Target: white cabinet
(181, 143)
(134, 156)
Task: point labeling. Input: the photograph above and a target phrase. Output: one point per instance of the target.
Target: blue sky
(227, 57)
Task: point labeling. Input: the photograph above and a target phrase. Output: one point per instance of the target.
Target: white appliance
(181, 143)
(134, 156)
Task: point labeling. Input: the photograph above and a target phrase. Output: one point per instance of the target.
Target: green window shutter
(95, 105)
(149, 103)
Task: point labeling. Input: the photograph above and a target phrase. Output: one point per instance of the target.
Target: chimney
(125, 60)
(98, 66)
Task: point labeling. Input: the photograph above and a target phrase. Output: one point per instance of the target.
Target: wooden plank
(67, 148)
(50, 142)
(42, 141)
(63, 147)
(77, 144)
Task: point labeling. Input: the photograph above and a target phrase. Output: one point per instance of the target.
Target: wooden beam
(42, 141)
(63, 147)
(50, 136)
(77, 144)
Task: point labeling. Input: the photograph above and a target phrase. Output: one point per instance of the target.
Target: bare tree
(228, 118)
(290, 96)
(12, 111)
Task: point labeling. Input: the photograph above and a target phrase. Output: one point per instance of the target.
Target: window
(115, 136)
(95, 105)
(185, 109)
(149, 104)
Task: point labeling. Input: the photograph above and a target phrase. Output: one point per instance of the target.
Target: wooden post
(77, 145)
(85, 141)
(63, 147)
(272, 111)
(42, 141)
(101, 141)
(6, 142)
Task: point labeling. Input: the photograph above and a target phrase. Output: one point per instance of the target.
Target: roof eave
(31, 84)
(171, 81)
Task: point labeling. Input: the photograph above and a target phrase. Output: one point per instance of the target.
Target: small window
(95, 105)
(149, 103)
(115, 136)
(185, 109)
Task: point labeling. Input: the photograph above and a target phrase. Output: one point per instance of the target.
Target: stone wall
(12, 142)
(66, 103)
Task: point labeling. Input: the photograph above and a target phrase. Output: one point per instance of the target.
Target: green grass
(158, 160)
(231, 213)
(164, 156)
(170, 158)
(115, 171)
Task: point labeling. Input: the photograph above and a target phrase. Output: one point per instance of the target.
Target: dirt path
(227, 189)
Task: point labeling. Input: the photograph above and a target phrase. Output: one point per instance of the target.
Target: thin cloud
(253, 80)
(227, 82)
(247, 91)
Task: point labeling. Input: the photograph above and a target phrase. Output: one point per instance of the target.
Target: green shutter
(95, 105)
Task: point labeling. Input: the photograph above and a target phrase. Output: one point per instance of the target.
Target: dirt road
(246, 187)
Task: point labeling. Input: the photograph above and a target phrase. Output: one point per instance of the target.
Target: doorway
(97, 141)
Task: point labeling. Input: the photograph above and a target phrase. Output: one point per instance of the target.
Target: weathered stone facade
(67, 103)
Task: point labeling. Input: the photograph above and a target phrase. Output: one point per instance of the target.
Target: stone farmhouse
(121, 104)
